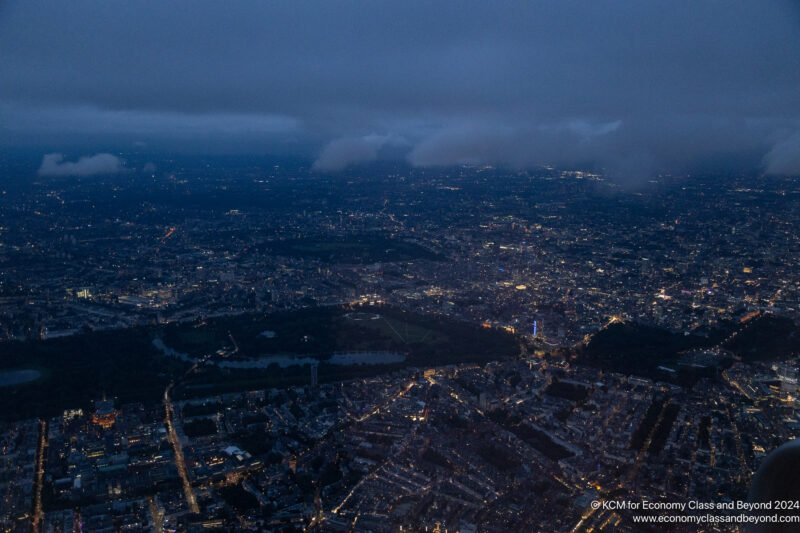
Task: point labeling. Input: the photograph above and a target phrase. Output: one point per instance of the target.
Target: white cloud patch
(54, 165)
(462, 144)
(784, 158)
(348, 151)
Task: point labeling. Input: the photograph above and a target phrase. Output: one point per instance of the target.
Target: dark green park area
(318, 332)
(641, 349)
(355, 249)
(766, 338)
(78, 369)
(124, 364)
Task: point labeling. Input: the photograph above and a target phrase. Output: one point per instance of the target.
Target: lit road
(735, 384)
(180, 463)
(38, 514)
(168, 234)
(372, 475)
(386, 404)
(158, 519)
(640, 456)
(376, 472)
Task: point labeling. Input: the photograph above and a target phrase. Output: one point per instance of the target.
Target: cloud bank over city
(632, 87)
(54, 165)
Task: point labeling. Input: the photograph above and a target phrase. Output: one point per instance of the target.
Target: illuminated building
(104, 414)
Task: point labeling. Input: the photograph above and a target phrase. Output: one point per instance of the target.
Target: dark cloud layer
(632, 86)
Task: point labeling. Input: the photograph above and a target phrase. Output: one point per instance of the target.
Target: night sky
(632, 87)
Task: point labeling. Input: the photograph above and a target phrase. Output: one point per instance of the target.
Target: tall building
(483, 401)
(314, 375)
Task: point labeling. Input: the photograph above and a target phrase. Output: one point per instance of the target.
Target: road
(180, 463)
(38, 513)
(155, 514)
(172, 435)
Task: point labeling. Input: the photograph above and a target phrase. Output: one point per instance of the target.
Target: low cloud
(515, 144)
(689, 87)
(348, 151)
(784, 158)
(54, 165)
(625, 150)
(462, 144)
